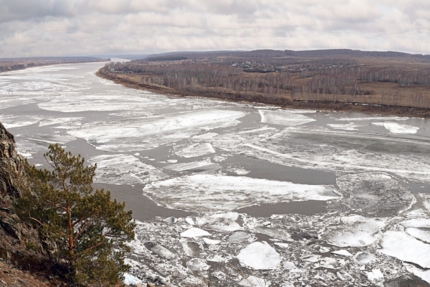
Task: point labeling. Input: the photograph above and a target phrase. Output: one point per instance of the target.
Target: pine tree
(85, 229)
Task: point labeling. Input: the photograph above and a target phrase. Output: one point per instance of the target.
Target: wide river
(238, 194)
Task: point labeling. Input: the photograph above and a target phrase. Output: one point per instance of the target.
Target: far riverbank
(133, 82)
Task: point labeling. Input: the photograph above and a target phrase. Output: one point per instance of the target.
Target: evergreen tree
(85, 229)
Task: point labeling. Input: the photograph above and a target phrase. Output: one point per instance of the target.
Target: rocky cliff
(19, 243)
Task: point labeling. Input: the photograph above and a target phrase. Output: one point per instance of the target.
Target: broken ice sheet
(396, 128)
(127, 135)
(206, 192)
(253, 281)
(380, 194)
(65, 123)
(353, 231)
(259, 256)
(124, 169)
(16, 122)
(418, 228)
(346, 127)
(284, 118)
(196, 150)
(195, 232)
(405, 247)
(199, 165)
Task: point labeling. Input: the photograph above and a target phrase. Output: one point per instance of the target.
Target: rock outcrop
(19, 242)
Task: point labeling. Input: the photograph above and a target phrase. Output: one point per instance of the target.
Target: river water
(261, 174)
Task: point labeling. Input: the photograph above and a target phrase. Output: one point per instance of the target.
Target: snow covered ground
(185, 153)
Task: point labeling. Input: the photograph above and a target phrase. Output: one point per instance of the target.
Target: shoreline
(274, 101)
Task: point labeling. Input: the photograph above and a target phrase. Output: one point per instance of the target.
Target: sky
(109, 27)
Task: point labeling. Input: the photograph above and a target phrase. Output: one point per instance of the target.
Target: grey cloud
(79, 27)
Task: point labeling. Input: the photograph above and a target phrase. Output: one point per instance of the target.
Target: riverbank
(14, 64)
(282, 101)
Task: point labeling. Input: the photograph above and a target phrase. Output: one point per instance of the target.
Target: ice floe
(379, 194)
(64, 123)
(253, 281)
(195, 232)
(397, 128)
(346, 127)
(146, 133)
(354, 231)
(404, 247)
(418, 228)
(124, 169)
(284, 118)
(207, 192)
(195, 165)
(259, 255)
(196, 150)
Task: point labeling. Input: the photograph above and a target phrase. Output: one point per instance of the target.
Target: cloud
(89, 27)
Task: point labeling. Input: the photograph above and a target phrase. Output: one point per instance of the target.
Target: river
(246, 181)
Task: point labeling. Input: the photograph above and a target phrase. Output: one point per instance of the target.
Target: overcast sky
(92, 27)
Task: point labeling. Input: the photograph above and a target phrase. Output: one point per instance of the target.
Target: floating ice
(259, 256)
(354, 231)
(81, 103)
(15, 122)
(342, 252)
(404, 247)
(423, 274)
(375, 275)
(206, 192)
(199, 165)
(284, 118)
(238, 237)
(160, 250)
(224, 222)
(418, 228)
(204, 137)
(196, 150)
(195, 232)
(253, 281)
(211, 241)
(346, 127)
(66, 123)
(124, 169)
(146, 133)
(397, 128)
(239, 171)
(197, 264)
(380, 194)
(373, 118)
(364, 257)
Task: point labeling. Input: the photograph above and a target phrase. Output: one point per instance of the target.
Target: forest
(346, 77)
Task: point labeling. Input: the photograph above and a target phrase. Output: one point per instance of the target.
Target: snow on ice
(124, 169)
(259, 255)
(397, 128)
(207, 192)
